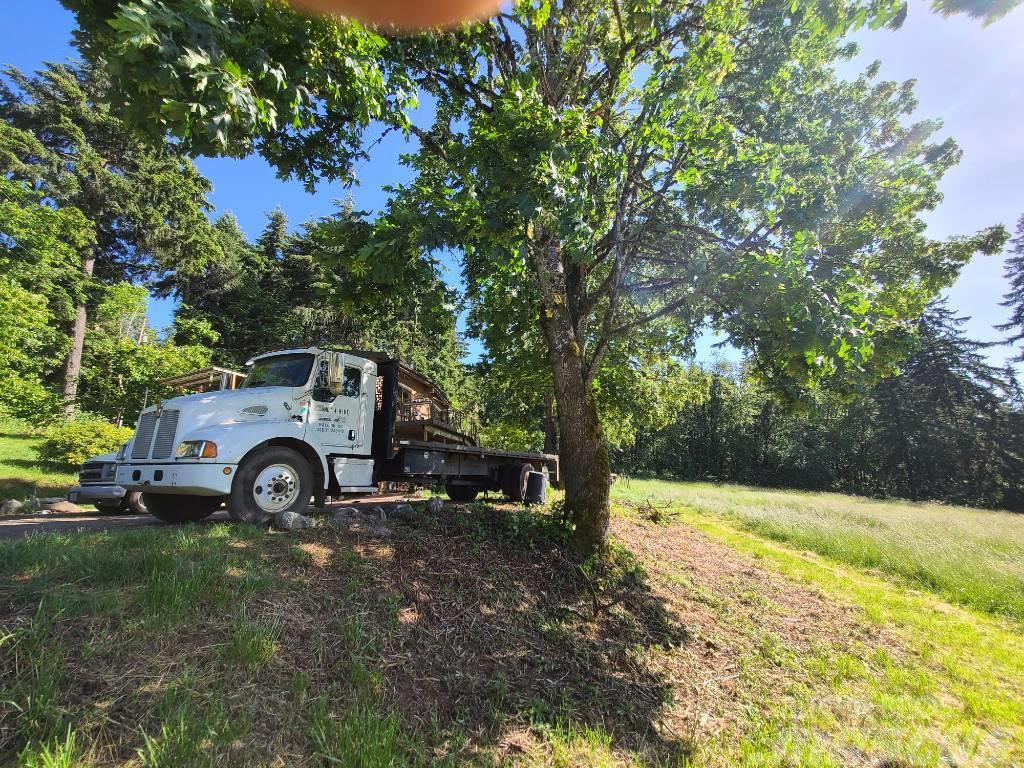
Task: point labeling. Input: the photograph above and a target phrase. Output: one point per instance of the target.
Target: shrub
(72, 442)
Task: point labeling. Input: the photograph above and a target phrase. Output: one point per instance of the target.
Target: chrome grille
(144, 435)
(165, 435)
(94, 472)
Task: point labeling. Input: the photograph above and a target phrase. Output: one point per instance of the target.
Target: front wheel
(268, 481)
(174, 508)
(135, 503)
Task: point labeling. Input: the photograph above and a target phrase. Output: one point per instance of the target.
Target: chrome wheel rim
(276, 488)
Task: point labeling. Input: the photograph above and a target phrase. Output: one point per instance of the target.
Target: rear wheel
(173, 508)
(268, 481)
(461, 491)
(514, 481)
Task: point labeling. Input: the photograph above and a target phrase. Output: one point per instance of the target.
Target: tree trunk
(583, 457)
(73, 364)
(550, 426)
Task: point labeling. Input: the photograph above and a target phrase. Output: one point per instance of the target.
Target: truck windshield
(279, 371)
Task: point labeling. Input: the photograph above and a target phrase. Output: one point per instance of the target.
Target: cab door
(338, 409)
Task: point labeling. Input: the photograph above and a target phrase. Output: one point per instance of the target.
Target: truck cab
(301, 422)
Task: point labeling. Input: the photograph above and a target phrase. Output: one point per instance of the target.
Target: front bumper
(200, 479)
(90, 494)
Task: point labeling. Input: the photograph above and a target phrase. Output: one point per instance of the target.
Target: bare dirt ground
(755, 633)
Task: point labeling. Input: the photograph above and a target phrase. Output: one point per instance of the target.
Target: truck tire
(461, 491)
(268, 481)
(136, 505)
(174, 508)
(131, 504)
(514, 481)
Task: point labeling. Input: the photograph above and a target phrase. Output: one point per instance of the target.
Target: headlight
(196, 449)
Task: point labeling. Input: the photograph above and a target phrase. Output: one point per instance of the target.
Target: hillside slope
(472, 638)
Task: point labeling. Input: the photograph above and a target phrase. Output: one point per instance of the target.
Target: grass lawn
(973, 557)
(472, 637)
(22, 473)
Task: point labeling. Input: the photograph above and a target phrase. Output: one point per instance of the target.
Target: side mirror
(335, 369)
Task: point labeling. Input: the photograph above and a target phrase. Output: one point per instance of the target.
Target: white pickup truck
(308, 423)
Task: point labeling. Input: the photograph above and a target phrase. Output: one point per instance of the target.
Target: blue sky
(968, 75)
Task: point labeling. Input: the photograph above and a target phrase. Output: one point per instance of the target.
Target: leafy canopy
(686, 162)
(235, 76)
(40, 283)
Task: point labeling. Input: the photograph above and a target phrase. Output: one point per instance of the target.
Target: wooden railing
(429, 411)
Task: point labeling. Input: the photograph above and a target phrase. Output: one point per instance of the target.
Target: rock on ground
(344, 515)
(55, 504)
(404, 512)
(10, 506)
(34, 504)
(64, 507)
(434, 505)
(291, 521)
(378, 512)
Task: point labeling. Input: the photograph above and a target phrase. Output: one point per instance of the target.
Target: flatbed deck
(548, 460)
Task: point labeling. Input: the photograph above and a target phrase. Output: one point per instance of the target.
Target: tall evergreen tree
(946, 424)
(1014, 298)
(146, 209)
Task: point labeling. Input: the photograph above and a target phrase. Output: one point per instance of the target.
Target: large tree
(146, 209)
(628, 164)
(619, 174)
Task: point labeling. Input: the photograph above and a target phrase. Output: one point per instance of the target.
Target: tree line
(949, 427)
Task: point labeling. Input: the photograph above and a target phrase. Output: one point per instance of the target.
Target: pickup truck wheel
(135, 503)
(175, 508)
(461, 491)
(268, 481)
(514, 481)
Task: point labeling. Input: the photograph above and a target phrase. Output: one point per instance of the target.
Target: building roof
(198, 378)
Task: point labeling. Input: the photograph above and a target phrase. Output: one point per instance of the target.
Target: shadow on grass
(484, 622)
(23, 488)
(41, 465)
(441, 642)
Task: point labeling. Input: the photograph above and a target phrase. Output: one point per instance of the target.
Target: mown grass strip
(965, 682)
(973, 557)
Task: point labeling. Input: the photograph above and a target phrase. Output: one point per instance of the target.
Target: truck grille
(144, 435)
(163, 428)
(164, 443)
(96, 472)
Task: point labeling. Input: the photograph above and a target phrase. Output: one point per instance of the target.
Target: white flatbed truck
(308, 423)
